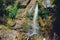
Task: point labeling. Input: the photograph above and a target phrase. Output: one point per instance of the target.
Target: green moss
(9, 22)
(4, 27)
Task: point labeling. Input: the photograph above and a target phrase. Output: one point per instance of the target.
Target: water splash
(47, 3)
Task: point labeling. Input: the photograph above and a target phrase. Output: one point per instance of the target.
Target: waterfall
(31, 9)
(35, 24)
(35, 28)
(47, 3)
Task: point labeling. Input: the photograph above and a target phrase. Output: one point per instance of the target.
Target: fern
(12, 10)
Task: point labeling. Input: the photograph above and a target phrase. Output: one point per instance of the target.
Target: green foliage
(43, 12)
(30, 15)
(12, 10)
(4, 27)
(3, 5)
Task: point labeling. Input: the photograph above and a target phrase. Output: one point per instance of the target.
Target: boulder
(10, 35)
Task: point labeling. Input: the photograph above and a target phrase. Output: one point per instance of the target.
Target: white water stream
(47, 3)
(35, 25)
(35, 28)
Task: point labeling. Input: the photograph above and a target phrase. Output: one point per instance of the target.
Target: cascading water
(47, 3)
(35, 28)
(35, 24)
(29, 24)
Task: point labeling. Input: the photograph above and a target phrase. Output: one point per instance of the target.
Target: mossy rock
(4, 27)
(10, 22)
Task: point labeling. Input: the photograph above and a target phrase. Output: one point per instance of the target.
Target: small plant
(12, 10)
(43, 12)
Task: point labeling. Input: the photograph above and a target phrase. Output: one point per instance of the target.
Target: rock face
(10, 35)
(24, 3)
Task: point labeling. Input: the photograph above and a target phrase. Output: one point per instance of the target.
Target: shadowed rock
(24, 3)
